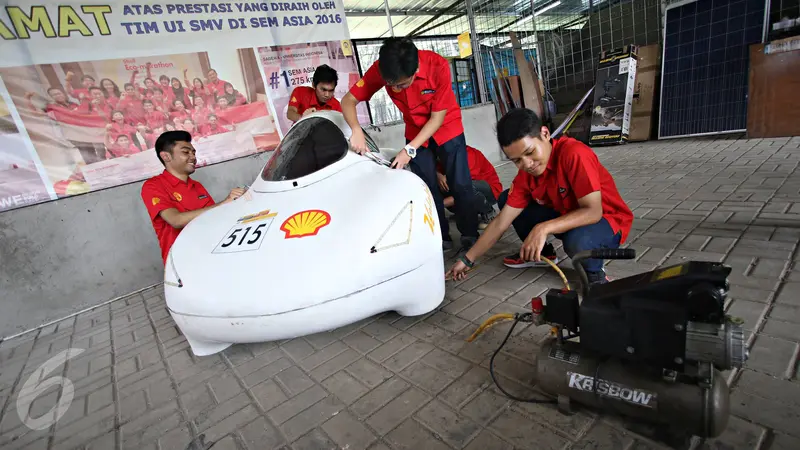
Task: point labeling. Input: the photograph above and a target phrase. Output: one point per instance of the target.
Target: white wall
(479, 130)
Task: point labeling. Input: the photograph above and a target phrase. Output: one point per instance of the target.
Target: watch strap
(466, 261)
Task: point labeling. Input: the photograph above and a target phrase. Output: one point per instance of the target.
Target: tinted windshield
(371, 145)
(310, 145)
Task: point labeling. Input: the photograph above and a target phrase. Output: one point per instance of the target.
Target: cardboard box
(646, 89)
(613, 96)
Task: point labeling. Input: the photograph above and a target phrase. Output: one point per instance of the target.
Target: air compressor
(650, 347)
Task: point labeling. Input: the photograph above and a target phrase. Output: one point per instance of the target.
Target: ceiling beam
(430, 12)
(393, 12)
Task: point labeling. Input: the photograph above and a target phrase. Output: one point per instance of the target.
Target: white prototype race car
(323, 238)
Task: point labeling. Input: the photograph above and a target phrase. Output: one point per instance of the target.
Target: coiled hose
(526, 317)
(491, 321)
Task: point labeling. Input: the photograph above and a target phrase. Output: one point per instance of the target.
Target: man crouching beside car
(172, 198)
(560, 189)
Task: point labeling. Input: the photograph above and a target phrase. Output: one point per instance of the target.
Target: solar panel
(705, 65)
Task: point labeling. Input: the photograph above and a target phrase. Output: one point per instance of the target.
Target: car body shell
(306, 254)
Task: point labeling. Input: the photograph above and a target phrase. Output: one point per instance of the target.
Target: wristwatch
(412, 152)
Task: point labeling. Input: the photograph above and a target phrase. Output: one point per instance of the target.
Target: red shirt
(116, 129)
(216, 87)
(208, 130)
(116, 151)
(481, 169)
(572, 172)
(133, 110)
(431, 91)
(155, 119)
(304, 97)
(163, 192)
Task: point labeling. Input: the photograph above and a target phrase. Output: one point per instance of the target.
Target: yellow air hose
(507, 316)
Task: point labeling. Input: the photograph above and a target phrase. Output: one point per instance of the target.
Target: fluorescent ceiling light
(536, 13)
(547, 8)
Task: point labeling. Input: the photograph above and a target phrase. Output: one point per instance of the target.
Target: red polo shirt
(481, 169)
(164, 191)
(572, 172)
(431, 91)
(305, 97)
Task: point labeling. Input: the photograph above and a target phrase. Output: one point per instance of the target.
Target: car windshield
(309, 146)
(371, 145)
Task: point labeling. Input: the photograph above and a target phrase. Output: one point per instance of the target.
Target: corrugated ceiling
(490, 16)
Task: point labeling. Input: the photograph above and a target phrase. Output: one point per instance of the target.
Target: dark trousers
(453, 157)
(484, 197)
(587, 237)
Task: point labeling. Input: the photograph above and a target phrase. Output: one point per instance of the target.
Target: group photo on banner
(224, 73)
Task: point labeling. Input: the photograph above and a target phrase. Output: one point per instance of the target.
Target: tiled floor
(401, 383)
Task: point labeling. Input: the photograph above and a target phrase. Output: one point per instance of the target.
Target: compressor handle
(614, 253)
(600, 253)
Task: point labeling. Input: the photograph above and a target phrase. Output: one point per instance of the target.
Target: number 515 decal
(243, 237)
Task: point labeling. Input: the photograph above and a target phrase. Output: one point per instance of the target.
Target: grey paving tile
(392, 382)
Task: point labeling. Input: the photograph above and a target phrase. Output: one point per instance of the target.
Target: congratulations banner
(72, 125)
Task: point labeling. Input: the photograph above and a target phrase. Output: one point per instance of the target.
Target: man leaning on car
(172, 198)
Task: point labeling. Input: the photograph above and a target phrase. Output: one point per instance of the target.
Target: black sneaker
(515, 262)
(598, 277)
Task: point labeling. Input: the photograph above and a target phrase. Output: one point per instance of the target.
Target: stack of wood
(518, 91)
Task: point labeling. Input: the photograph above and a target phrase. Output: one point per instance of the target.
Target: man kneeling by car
(561, 189)
(173, 198)
(485, 184)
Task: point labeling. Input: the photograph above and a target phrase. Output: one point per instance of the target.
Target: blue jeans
(453, 156)
(587, 237)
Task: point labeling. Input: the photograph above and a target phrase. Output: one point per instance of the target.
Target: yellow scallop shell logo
(360, 83)
(305, 223)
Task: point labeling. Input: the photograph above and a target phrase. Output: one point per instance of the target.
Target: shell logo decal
(177, 196)
(360, 83)
(294, 99)
(305, 223)
(156, 200)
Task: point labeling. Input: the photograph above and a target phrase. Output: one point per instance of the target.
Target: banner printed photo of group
(94, 124)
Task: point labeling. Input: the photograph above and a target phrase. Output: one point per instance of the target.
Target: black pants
(453, 157)
(484, 197)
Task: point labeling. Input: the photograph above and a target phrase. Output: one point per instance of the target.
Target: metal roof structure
(367, 18)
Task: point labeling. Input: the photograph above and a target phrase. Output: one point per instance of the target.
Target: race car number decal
(248, 233)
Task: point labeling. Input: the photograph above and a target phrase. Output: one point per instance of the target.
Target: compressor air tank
(633, 390)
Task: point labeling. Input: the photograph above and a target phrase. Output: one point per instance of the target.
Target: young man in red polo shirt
(419, 84)
(485, 184)
(319, 97)
(172, 198)
(561, 189)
